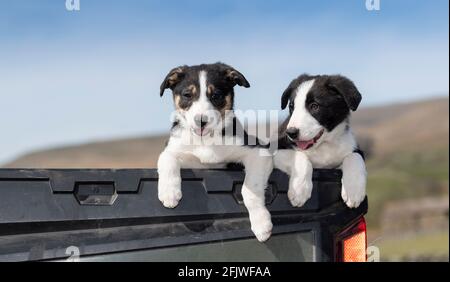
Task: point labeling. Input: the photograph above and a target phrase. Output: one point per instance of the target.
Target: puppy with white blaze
(206, 134)
(317, 134)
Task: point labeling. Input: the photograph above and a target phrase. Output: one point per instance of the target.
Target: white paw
(169, 195)
(262, 226)
(300, 190)
(353, 191)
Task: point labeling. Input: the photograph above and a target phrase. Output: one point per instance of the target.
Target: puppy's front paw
(353, 191)
(169, 195)
(262, 226)
(300, 190)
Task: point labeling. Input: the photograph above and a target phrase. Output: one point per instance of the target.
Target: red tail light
(351, 243)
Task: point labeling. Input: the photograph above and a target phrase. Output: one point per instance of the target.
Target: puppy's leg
(299, 169)
(300, 181)
(169, 182)
(257, 172)
(283, 160)
(354, 178)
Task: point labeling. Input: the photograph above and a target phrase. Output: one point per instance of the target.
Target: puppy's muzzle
(201, 121)
(292, 133)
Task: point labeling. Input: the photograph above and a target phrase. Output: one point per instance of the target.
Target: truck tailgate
(115, 215)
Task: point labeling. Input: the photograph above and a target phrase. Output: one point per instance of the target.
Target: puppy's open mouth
(305, 145)
(200, 131)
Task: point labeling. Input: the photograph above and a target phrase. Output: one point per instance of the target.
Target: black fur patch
(329, 100)
(221, 79)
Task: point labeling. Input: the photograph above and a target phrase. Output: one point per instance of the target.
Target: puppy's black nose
(201, 120)
(292, 133)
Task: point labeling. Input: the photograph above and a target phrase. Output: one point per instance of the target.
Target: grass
(430, 246)
(408, 175)
(405, 175)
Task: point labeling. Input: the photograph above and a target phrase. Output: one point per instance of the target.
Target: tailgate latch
(95, 193)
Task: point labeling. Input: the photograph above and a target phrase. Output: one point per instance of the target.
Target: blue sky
(74, 77)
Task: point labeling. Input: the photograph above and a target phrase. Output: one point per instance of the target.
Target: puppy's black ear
(173, 78)
(286, 96)
(347, 89)
(234, 76)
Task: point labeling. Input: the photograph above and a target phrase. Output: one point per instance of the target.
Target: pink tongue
(305, 145)
(201, 132)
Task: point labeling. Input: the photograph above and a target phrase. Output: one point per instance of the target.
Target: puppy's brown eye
(314, 107)
(186, 94)
(217, 97)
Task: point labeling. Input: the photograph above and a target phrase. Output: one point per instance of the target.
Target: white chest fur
(327, 156)
(331, 152)
(210, 154)
(210, 150)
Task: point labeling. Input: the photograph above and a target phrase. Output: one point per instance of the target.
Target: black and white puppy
(317, 134)
(200, 138)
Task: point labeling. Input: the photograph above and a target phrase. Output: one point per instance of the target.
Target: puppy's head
(317, 105)
(203, 94)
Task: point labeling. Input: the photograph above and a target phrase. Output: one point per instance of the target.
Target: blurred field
(406, 175)
(427, 247)
(408, 158)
